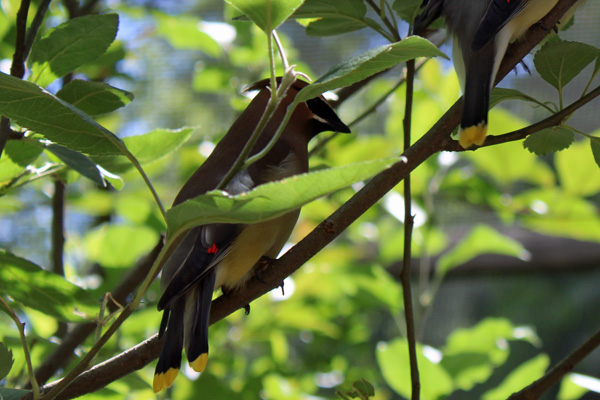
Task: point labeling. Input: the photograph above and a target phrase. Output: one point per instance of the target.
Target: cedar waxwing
(482, 31)
(222, 255)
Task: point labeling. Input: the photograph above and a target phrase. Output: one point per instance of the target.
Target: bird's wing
(432, 11)
(202, 249)
(499, 13)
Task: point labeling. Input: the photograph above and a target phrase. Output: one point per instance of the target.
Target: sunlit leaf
(17, 155)
(554, 212)
(392, 358)
(147, 148)
(519, 378)
(471, 354)
(578, 172)
(369, 63)
(94, 98)
(269, 200)
(184, 32)
(119, 245)
(573, 386)
(70, 45)
(34, 108)
(481, 240)
(44, 291)
(267, 14)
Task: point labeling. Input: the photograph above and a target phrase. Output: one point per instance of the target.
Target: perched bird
(482, 31)
(222, 255)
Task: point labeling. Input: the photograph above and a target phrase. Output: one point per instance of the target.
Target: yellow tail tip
(472, 135)
(164, 380)
(199, 364)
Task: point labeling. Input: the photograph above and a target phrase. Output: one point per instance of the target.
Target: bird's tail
(169, 361)
(198, 312)
(479, 68)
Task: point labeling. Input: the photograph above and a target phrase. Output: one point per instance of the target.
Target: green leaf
(58, 121)
(481, 240)
(577, 171)
(267, 14)
(12, 394)
(147, 148)
(392, 358)
(357, 68)
(595, 144)
(17, 155)
(549, 140)
(471, 354)
(555, 212)
(44, 291)
(519, 378)
(271, 199)
(184, 33)
(78, 162)
(6, 360)
(573, 386)
(364, 388)
(118, 246)
(508, 163)
(71, 45)
(94, 98)
(502, 94)
(559, 61)
(333, 17)
(407, 9)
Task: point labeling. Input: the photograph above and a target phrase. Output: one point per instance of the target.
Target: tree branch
(539, 387)
(437, 138)
(519, 134)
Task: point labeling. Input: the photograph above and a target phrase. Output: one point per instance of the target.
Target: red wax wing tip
(213, 249)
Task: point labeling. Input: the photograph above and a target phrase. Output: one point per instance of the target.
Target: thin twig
(17, 69)
(409, 316)
(21, 327)
(58, 226)
(394, 32)
(35, 25)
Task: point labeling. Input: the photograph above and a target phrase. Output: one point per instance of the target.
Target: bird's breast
(265, 238)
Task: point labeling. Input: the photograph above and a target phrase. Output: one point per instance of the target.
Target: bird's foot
(261, 267)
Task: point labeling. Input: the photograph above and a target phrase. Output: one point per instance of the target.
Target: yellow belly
(262, 239)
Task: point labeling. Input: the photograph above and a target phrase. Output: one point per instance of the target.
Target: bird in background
(482, 31)
(223, 255)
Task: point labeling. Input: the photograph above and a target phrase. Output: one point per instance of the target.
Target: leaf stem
(21, 327)
(394, 36)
